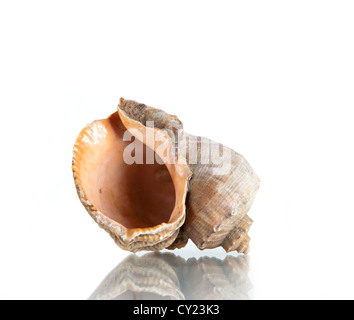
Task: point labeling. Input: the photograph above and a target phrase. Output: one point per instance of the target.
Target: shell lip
(180, 163)
(131, 233)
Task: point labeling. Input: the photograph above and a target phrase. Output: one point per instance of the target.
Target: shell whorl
(217, 205)
(161, 119)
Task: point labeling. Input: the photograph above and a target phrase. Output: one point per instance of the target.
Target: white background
(273, 80)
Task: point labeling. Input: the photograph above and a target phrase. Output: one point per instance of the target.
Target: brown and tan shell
(166, 276)
(216, 205)
(141, 206)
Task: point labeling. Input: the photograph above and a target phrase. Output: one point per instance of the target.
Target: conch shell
(143, 205)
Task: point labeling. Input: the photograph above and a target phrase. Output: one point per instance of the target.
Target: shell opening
(134, 195)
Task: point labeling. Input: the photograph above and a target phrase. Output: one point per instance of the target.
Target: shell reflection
(159, 276)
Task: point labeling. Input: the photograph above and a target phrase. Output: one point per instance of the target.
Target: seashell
(167, 276)
(144, 206)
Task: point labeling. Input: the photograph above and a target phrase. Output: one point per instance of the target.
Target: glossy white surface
(273, 80)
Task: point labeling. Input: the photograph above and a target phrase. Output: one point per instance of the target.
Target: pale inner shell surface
(134, 195)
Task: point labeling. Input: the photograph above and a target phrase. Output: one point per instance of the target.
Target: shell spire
(217, 202)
